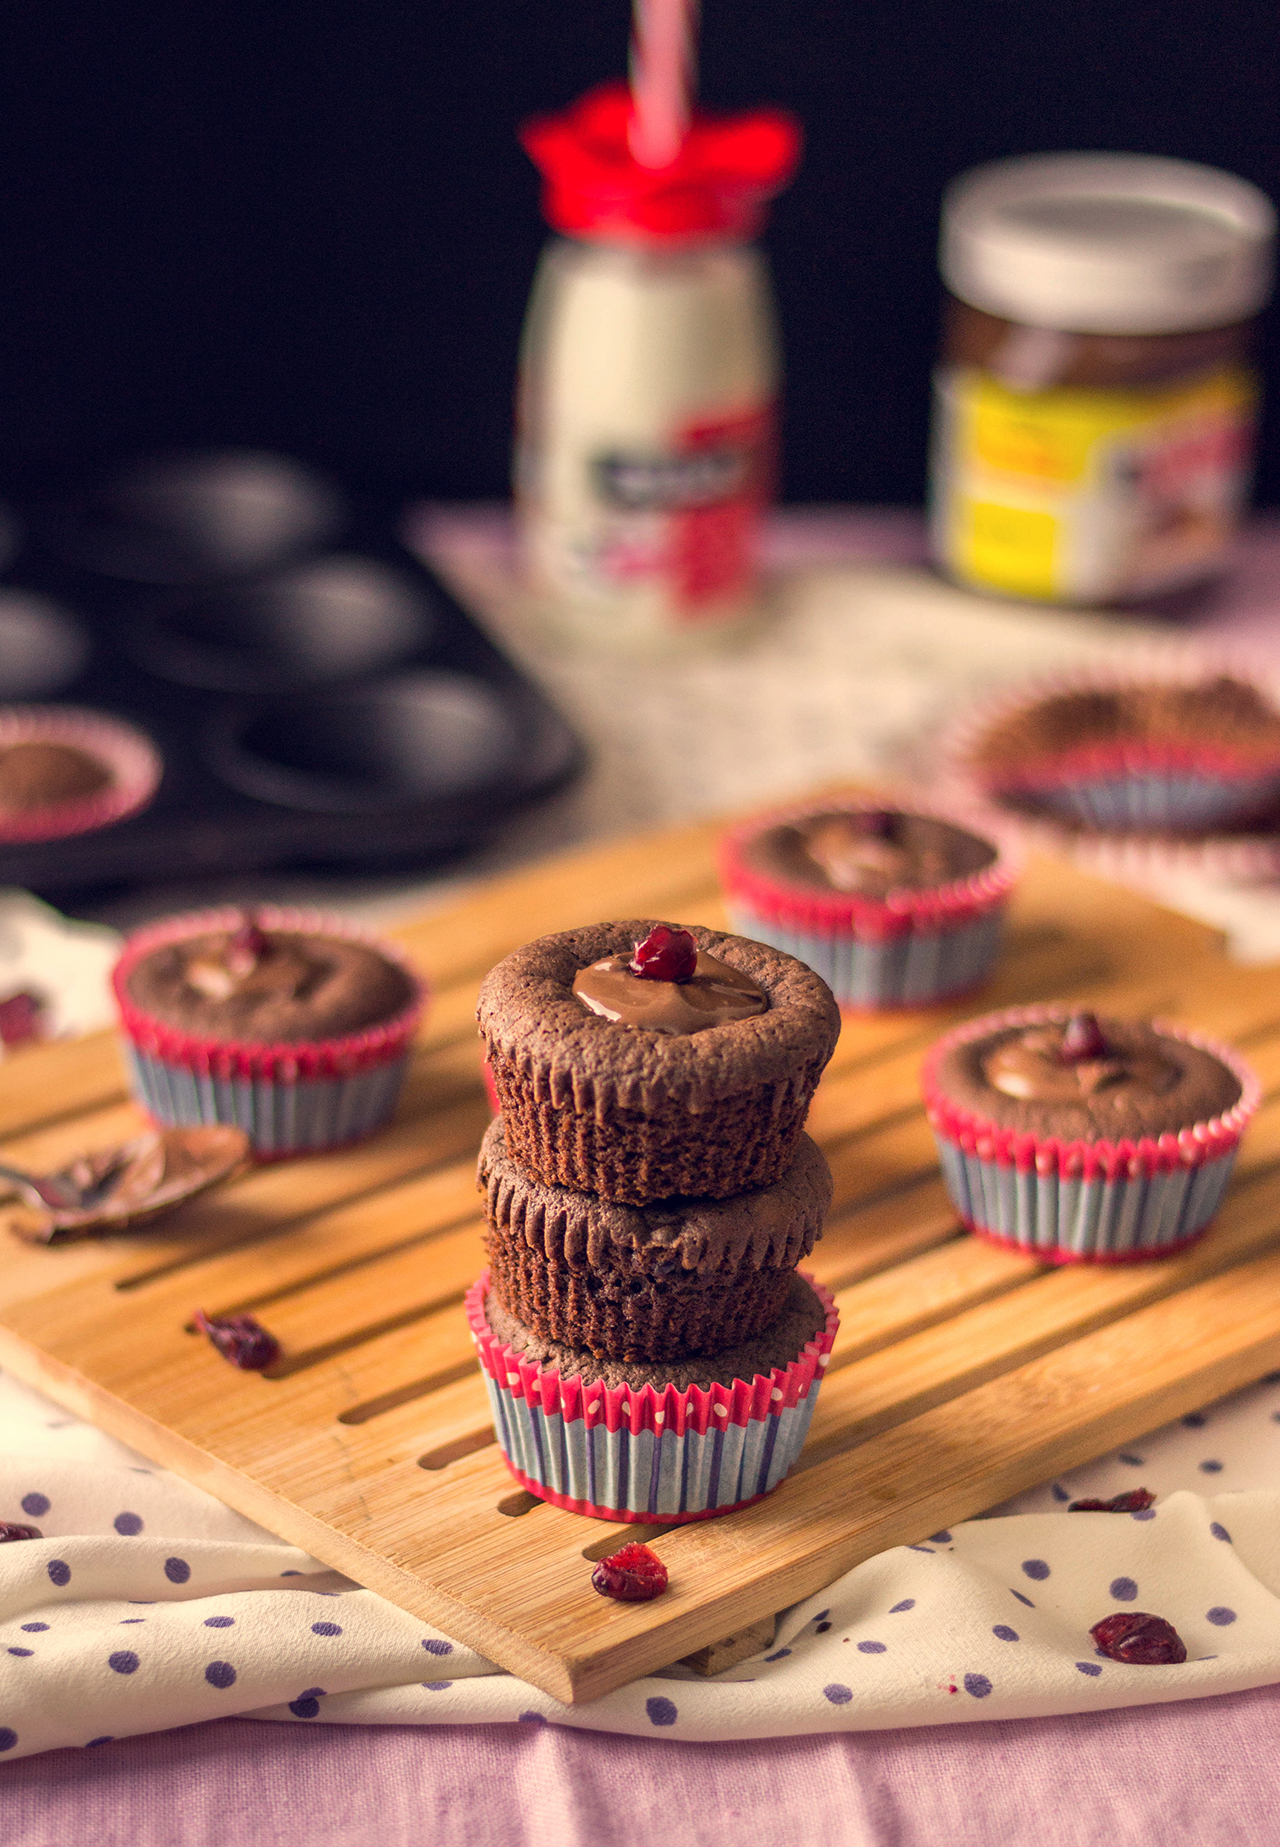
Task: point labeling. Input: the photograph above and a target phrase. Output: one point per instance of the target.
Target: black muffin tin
(317, 695)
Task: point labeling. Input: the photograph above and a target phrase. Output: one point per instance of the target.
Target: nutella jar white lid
(1108, 243)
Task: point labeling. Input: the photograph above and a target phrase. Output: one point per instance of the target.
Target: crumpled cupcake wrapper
(617, 1453)
(281, 1118)
(1084, 1201)
(898, 971)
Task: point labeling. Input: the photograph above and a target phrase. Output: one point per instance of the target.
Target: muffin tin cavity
(316, 695)
(407, 740)
(194, 519)
(41, 650)
(323, 619)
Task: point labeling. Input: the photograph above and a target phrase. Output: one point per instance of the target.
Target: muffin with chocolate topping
(638, 1061)
(892, 907)
(1076, 1138)
(295, 1028)
(1115, 755)
(66, 770)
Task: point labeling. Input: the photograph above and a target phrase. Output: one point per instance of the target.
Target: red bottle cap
(728, 167)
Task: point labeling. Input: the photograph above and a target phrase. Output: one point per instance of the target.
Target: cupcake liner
(289, 1097)
(135, 765)
(618, 1453)
(910, 949)
(1122, 786)
(1084, 1201)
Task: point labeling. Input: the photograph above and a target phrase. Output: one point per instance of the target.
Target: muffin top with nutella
(668, 984)
(277, 986)
(867, 852)
(1221, 711)
(1081, 1077)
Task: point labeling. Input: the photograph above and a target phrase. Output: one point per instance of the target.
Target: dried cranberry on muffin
(638, 1067)
(1082, 1138)
(1117, 755)
(664, 1281)
(893, 907)
(294, 1027)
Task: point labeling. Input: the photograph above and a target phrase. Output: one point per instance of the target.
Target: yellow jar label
(1087, 496)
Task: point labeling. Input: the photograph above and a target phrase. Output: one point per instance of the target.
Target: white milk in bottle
(647, 402)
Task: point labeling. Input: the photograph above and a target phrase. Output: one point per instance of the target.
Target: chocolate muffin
(664, 1281)
(1083, 1139)
(644, 1088)
(891, 906)
(294, 1027)
(278, 986)
(38, 775)
(800, 1318)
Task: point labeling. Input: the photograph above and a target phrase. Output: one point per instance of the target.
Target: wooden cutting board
(962, 1374)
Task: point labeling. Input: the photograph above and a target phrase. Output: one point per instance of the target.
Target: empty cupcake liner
(628, 1454)
(1084, 1201)
(290, 1098)
(134, 764)
(910, 949)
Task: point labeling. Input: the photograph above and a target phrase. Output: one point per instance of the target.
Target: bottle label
(1078, 495)
(679, 521)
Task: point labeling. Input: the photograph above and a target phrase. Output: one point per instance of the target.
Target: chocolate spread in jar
(714, 995)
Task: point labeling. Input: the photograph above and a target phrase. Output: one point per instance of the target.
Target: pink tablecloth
(1197, 1774)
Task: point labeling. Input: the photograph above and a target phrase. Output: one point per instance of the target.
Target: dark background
(307, 223)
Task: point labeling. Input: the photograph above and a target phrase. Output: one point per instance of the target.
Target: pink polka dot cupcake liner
(639, 1454)
(292, 1097)
(132, 761)
(909, 949)
(1084, 1201)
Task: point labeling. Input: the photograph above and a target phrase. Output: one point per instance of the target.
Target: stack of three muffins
(650, 1351)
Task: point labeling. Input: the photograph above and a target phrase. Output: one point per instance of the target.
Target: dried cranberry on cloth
(146, 1604)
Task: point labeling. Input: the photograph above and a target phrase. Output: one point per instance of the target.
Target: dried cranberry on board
(666, 954)
(21, 1018)
(245, 948)
(14, 1529)
(1132, 1501)
(1082, 1039)
(240, 1339)
(1139, 1639)
(633, 1575)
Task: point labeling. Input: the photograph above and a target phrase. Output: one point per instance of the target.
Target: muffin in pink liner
(66, 770)
(893, 907)
(293, 1026)
(633, 1442)
(1078, 1139)
(1179, 748)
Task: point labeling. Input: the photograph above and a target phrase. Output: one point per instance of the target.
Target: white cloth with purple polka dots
(146, 1604)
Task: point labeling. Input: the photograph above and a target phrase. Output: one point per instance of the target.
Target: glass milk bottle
(649, 372)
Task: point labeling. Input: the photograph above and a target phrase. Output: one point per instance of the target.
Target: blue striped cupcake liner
(1188, 802)
(911, 970)
(280, 1117)
(639, 1453)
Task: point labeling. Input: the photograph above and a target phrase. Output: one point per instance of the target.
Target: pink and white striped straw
(664, 55)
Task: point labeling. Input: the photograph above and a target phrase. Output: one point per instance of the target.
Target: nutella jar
(1095, 403)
